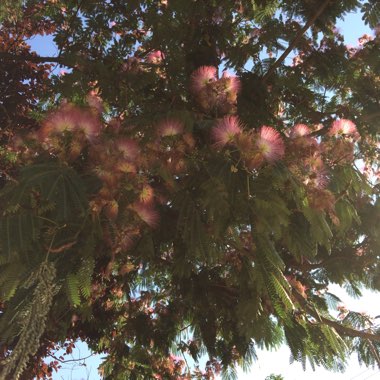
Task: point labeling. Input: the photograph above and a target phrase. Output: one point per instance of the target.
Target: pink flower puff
(299, 130)
(147, 213)
(89, 124)
(70, 118)
(155, 57)
(201, 77)
(270, 144)
(344, 127)
(225, 130)
(233, 83)
(128, 147)
(170, 127)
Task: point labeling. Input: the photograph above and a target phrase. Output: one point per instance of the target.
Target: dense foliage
(191, 182)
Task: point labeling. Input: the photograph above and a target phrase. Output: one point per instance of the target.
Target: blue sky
(352, 28)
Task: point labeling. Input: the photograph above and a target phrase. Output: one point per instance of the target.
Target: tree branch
(34, 58)
(299, 34)
(369, 117)
(344, 330)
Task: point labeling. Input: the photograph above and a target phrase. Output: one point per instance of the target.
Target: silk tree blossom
(317, 176)
(146, 194)
(95, 101)
(89, 124)
(226, 130)
(228, 89)
(299, 130)
(128, 147)
(147, 213)
(365, 38)
(232, 83)
(60, 121)
(70, 118)
(202, 77)
(170, 127)
(125, 167)
(176, 358)
(155, 57)
(269, 143)
(213, 94)
(342, 151)
(111, 209)
(344, 127)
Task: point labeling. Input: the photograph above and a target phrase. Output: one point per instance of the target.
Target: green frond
(267, 332)
(214, 200)
(55, 183)
(72, 288)
(276, 214)
(84, 276)
(267, 254)
(10, 278)
(319, 228)
(371, 13)
(352, 289)
(229, 373)
(298, 240)
(61, 195)
(191, 227)
(357, 320)
(336, 344)
(271, 267)
(367, 351)
(17, 232)
(346, 214)
(297, 338)
(32, 319)
(332, 300)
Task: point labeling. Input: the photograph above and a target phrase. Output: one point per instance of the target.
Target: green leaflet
(346, 213)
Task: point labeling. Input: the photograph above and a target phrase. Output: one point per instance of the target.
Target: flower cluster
(76, 126)
(310, 159)
(212, 94)
(255, 147)
(126, 197)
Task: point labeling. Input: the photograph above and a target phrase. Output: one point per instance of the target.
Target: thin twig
(71, 360)
(299, 34)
